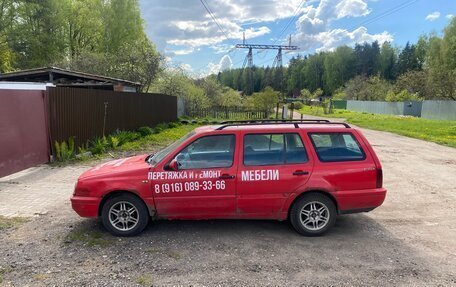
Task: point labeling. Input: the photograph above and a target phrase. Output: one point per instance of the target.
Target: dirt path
(409, 241)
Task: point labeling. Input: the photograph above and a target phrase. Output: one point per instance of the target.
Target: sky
(189, 37)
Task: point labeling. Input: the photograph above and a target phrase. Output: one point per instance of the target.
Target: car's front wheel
(313, 214)
(124, 215)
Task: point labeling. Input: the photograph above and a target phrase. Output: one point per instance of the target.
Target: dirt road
(409, 241)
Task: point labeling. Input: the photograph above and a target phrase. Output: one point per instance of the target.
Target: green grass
(441, 132)
(11, 222)
(88, 237)
(144, 280)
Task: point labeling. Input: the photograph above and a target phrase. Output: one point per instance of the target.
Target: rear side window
(332, 147)
(273, 149)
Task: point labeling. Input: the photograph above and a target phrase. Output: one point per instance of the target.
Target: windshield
(156, 158)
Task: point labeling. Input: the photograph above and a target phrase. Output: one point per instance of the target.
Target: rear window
(332, 147)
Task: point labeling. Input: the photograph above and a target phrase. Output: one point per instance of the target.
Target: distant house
(66, 78)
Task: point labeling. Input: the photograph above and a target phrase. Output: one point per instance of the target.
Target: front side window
(273, 149)
(332, 147)
(208, 152)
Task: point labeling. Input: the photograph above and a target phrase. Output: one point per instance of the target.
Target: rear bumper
(85, 206)
(353, 201)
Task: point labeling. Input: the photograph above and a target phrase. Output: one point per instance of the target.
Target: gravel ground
(409, 241)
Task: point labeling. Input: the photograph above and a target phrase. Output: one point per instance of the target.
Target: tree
(407, 60)
(266, 99)
(387, 61)
(338, 68)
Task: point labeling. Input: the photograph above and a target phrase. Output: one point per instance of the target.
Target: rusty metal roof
(55, 70)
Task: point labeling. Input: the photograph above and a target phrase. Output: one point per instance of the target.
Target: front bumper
(85, 206)
(352, 201)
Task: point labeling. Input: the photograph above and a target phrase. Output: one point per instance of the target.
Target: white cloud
(183, 22)
(433, 16)
(314, 26)
(449, 16)
(224, 64)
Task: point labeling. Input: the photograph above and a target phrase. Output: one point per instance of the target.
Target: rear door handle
(300, 172)
(226, 176)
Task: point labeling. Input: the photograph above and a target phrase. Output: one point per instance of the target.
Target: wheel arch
(315, 191)
(115, 193)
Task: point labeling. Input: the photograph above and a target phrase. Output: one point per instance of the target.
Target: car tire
(124, 215)
(313, 214)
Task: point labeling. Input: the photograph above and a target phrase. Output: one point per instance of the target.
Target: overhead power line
(206, 6)
(386, 13)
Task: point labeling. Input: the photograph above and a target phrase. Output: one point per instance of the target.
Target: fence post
(292, 111)
(277, 111)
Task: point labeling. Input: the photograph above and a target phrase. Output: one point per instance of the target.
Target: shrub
(113, 141)
(99, 145)
(297, 105)
(402, 96)
(160, 127)
(64, 150)
(125, 137)
(172, 124)
(145, 131)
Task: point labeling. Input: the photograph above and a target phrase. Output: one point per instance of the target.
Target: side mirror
(173, 165)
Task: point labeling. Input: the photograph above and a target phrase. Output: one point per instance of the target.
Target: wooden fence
(227, 113)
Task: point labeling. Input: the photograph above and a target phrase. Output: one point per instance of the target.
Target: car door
(271, 167)
(204, 186)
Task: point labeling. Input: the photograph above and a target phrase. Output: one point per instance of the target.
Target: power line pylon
(277, 61)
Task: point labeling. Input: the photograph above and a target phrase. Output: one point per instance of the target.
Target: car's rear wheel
(313, 214)
(124, 215)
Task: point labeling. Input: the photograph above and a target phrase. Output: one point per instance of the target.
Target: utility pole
(277, 65)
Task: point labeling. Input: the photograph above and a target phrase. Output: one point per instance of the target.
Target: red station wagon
(307, 171)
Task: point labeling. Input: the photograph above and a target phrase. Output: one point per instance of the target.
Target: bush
(145, 131)
(125, 137)
(99, 145)
(402, 96)
(160, 127)
(296, 105)
(113, 142)
(65, 151)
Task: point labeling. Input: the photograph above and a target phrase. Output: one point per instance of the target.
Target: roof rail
(278, 122)
(273, 121)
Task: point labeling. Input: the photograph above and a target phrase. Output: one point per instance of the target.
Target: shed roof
(59, 71)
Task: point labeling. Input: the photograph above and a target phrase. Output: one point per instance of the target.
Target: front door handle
(226, 176)
(300, 172)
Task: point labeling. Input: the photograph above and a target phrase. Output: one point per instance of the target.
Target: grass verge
(441, 132)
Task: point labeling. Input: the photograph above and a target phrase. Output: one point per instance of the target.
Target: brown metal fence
(85, 114)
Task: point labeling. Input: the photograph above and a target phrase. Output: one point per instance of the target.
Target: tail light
(379, 178)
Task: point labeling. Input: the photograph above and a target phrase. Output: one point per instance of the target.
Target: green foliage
(402, 96)
(94, 36)
(296, 105)
(265, 100)
(176, 83)
(99, 145)
(367, 89)
(113, 142)
(65, 150)
(145, 131)
(126, 136)
(160, 127)
(306, 94)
